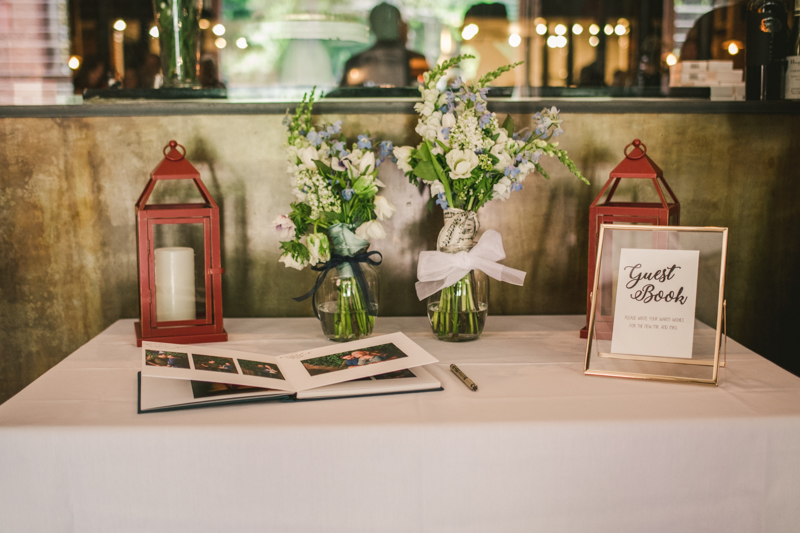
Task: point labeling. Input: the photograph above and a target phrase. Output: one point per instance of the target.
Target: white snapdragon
(371, 230)
(383, 208)
(291, 262)
(461, 162)
(425, 109)
(436, 188)
(319, 248)
(448, 120)
(430, 95)
(285, 228)
(502, 189)
(403, 154)
(427, 131)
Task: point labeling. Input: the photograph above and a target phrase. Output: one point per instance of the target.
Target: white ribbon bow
(437, 270)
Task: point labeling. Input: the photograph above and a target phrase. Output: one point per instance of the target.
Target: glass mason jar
(458, 312)
(179, 39)
(344, 306)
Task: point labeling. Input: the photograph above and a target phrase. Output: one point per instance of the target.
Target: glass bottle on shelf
(793, 58)
(765, 49)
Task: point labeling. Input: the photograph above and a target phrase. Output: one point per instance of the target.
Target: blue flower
(364, 143)
(446, 133)
(338, 146)
(442, 199)
(558, 131)
(511, 171)
(480, 107)
(516, 187)
(485, 120)
(347, 194)
(386, 149)
(334, 128)
(483, 92)
(314, 138)
(457, 83)
(449, 97)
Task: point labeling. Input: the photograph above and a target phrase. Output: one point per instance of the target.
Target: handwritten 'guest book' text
(655, 302)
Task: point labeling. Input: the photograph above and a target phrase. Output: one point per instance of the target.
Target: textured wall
(68, 187)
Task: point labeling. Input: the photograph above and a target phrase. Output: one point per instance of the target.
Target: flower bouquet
(468, 158)
(336, 214)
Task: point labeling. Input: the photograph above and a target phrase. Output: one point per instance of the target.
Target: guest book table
(539, 447)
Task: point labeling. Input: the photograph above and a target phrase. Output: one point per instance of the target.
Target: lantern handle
(172, 145)
(636, 144)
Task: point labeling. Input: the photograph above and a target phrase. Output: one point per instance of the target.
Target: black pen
(463, 377)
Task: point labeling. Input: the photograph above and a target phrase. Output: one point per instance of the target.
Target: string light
(514, 40)
(218, 29)
(120, 25)
(469, 31)
(577, 29)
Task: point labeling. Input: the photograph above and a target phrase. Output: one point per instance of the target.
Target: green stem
(441, 174)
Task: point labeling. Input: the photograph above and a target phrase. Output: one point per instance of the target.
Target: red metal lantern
(178, 252)
(636, 165)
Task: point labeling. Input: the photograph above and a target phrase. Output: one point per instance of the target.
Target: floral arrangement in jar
(336, 215)
(469, 159)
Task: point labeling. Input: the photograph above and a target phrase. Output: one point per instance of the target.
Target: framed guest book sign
(657, 306)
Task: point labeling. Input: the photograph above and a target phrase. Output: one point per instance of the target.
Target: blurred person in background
(90, 75)
(387, 63)
(489, 45)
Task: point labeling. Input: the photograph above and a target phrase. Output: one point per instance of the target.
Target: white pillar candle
(175, 284)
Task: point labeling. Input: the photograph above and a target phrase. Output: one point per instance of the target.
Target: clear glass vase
(179, 39)
(347, 312)
(457, 313)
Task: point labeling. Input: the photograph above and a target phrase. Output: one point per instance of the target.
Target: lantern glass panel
(179, 272)
(701, 366)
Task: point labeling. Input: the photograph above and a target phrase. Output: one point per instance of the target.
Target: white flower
(504, 158)
(427, 131)
(502, 136)
(371, 230)
(430, 95)
(448, 120)
(436, 150)
(307, 156)
(461, 162)
(337, 165)
(383, 208)
(289, 261)
(525, 169)
(367, 163)
(319, 248)
(424, 108)
(436, 188)
(403, 154)
(502, 189)
(285, 228)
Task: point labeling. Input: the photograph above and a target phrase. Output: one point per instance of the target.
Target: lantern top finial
(174, 154)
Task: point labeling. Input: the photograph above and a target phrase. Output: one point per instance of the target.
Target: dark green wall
(68, 187)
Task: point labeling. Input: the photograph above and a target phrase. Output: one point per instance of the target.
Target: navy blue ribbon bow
(355, 263)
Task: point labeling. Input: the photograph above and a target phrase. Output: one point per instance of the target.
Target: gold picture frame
(710, 312)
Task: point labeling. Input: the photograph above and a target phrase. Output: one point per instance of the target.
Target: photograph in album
(214, 364)
(206, 389)
(168, 359)
(352, 359)
(257, 368)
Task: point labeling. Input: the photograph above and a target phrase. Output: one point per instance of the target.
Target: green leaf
(508, 124)
(426, 171)
(324, 169)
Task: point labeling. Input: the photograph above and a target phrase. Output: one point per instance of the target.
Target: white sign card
(655, 302)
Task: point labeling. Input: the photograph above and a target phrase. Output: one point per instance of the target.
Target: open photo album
(179, 376)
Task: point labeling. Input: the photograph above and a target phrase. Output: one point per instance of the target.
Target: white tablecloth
(540, 447)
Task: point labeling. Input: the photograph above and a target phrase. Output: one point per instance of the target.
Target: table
(540, 447)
